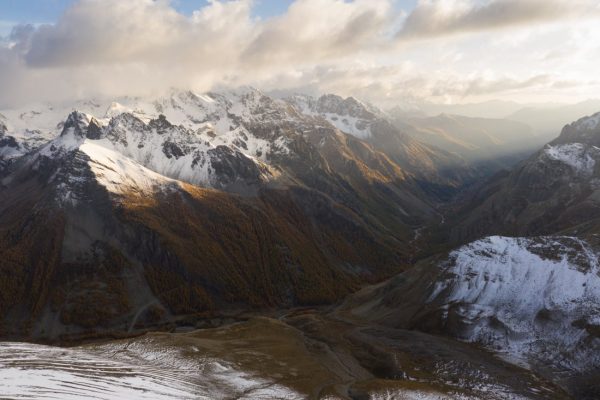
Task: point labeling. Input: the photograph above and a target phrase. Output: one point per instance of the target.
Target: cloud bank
(433, 18)
(115, 47)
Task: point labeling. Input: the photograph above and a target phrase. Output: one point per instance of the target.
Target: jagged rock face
(556, 189)
(181, 153)
(333, 104)
(348, 115)
(9, 150)
(94, 130)
(76, 124)
(8, 141)
(585, 130)
(9, 147)
(231, 167)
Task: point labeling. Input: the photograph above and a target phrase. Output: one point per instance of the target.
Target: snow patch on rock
(580, 157)
(348, 115)
(352, 125)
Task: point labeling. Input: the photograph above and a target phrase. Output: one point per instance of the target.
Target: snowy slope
(120, 174)
(184, 154)
(581, 158)
(79, 161)
(535, 299)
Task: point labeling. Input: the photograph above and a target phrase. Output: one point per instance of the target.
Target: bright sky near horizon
(385, 51)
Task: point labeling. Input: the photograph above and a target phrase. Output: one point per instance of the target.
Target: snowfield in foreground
(29, 371)
(534, 299)
(143, 370)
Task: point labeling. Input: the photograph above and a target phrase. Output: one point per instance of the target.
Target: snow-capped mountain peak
(224, 116)
(348, 115)
(83, 155)
(125, 143)
(82, 124)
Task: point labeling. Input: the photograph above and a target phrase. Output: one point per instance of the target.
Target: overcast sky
(384, 51)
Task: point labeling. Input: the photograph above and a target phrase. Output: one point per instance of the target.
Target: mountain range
(191, 203)
(380, 240)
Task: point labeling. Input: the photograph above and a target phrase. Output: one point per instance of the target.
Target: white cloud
(387, 85)
(115, 47)
(102, 45)
(315, 30)
(432, 18)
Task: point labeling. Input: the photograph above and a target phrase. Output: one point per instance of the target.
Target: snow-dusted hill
(535, 299)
